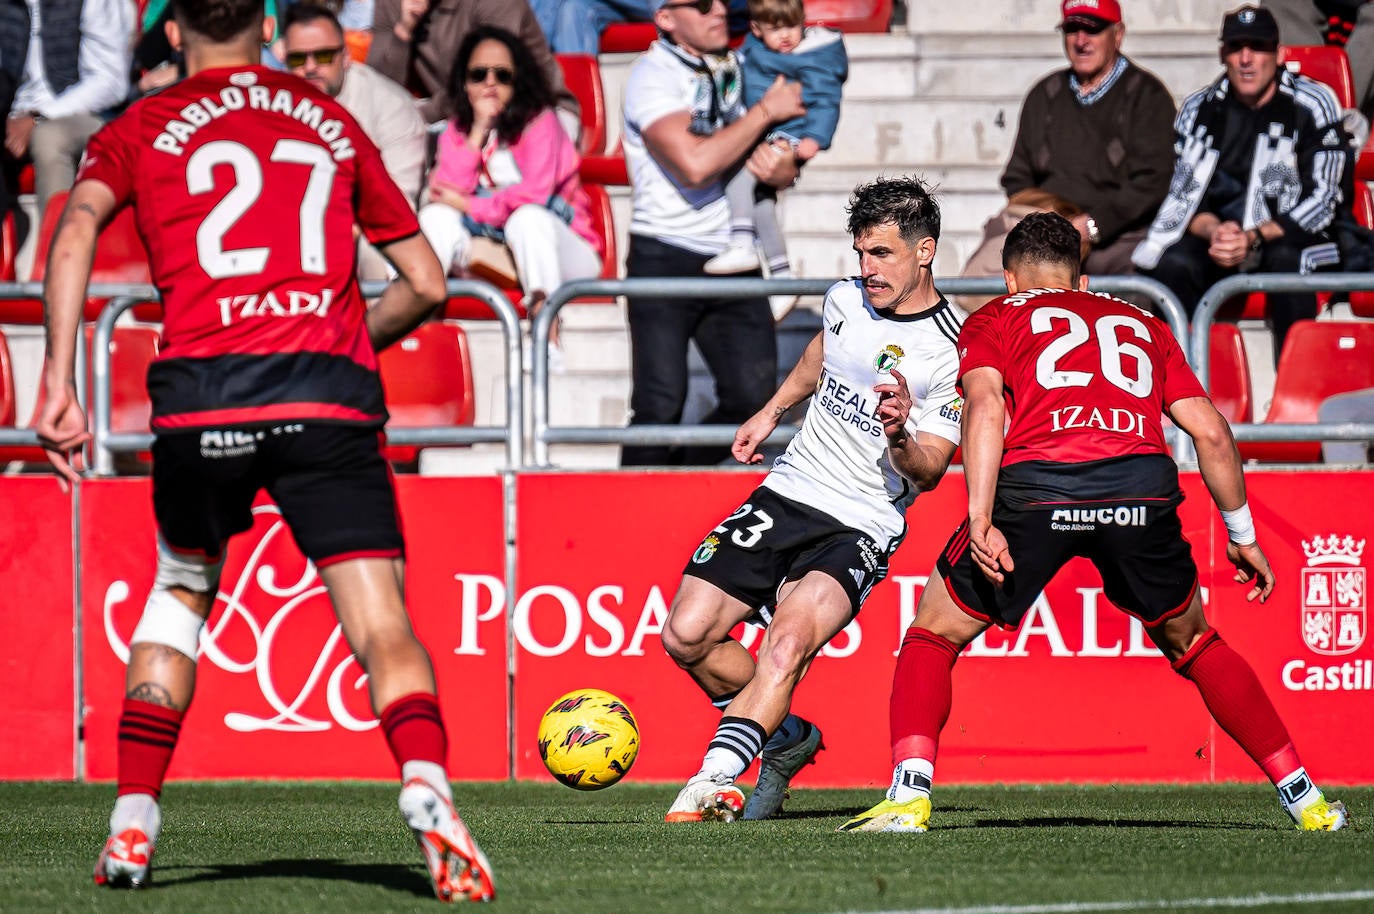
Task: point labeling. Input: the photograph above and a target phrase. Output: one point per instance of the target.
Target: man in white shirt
(804, 550)
(316, 52)
(76, 69)
(686, 131)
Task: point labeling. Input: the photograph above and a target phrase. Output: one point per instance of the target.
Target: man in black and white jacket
(1263, 161)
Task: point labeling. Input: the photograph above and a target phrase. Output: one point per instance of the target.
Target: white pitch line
(1086, 907)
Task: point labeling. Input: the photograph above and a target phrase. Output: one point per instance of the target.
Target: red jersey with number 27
(246, 184)
(1086, 376)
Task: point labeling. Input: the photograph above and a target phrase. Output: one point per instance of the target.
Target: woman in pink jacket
(506, 169)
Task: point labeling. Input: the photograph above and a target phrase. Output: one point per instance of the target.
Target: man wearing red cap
(1094, 144)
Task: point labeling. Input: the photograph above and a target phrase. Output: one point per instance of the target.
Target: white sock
(1297, 792)
(431, 773)
(137, 810)
(911, 779)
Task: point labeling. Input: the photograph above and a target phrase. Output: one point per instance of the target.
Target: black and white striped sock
(737, 742)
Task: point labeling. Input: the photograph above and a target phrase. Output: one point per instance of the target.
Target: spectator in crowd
(575, 26)
(414, 42)
(315, 51)
(506, 170)
(14, 40)
(1262, 162)
(157, 64)
(1092, 145)
(1344, 23)
(686, 131)
(780, 44)
(76, 71)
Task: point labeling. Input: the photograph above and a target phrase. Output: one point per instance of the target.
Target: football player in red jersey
(246, 185)
(1064, 456)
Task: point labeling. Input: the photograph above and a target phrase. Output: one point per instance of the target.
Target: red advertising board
(1310, 643)
(278, 693)
(1076, 694)
(37, 643)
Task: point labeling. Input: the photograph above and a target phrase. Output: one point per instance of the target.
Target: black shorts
(770, 540)
(1136, 543)
(330, 482)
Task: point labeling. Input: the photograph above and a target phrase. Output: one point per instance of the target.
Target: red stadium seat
(582, 76)
(1324, 63)
(119, 258)
(1364, 165)
(428, 382)
(1362, 303)
(850, 15)
(132, 350)
(6, 385)
(9, 248)
(628, 37)
(1229, 374)
(608, 168)
(1319, 359)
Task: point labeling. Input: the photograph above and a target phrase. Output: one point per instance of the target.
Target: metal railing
(1200, 351)
(106, 443)
(546, 434)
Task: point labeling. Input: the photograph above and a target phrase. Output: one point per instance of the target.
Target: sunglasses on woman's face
(701, 6)
(504, 75)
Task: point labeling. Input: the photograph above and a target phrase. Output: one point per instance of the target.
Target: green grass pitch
(269, 847)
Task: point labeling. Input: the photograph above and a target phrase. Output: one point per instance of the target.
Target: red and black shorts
(331, 483)
(1135, 541)
(770, 540)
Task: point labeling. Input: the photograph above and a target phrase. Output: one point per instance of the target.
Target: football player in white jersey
(801, 554)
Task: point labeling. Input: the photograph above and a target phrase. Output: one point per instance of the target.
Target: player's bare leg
(367, 597)
(810, 613)
(696, 635)
(159, 684)
(922, 691)
(1237, 701)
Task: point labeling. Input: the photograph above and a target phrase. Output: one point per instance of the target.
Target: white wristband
(1240, 526)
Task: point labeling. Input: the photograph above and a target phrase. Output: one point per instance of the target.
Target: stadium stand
(1319, 359)
(119, 258)
(1228, 376)
(1362, 303)
(849, 16)
(427, 378)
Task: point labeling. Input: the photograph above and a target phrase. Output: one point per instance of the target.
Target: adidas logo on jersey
(835, 328)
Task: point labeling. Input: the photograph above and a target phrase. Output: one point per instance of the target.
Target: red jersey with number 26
(246, 184)
(1086, 376)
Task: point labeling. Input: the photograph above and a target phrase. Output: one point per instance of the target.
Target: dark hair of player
(531, 92)
(219, 20)
(903, 202)
(1046, 238)
(305, 13)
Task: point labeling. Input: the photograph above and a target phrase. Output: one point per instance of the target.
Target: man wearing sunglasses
(686, 131)
(1093, 145)
(1263, 171)
(387, 113)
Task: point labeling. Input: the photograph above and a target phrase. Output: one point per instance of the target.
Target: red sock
(922, 691)
(147, 735)
(1234, 696)
(415, 730)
